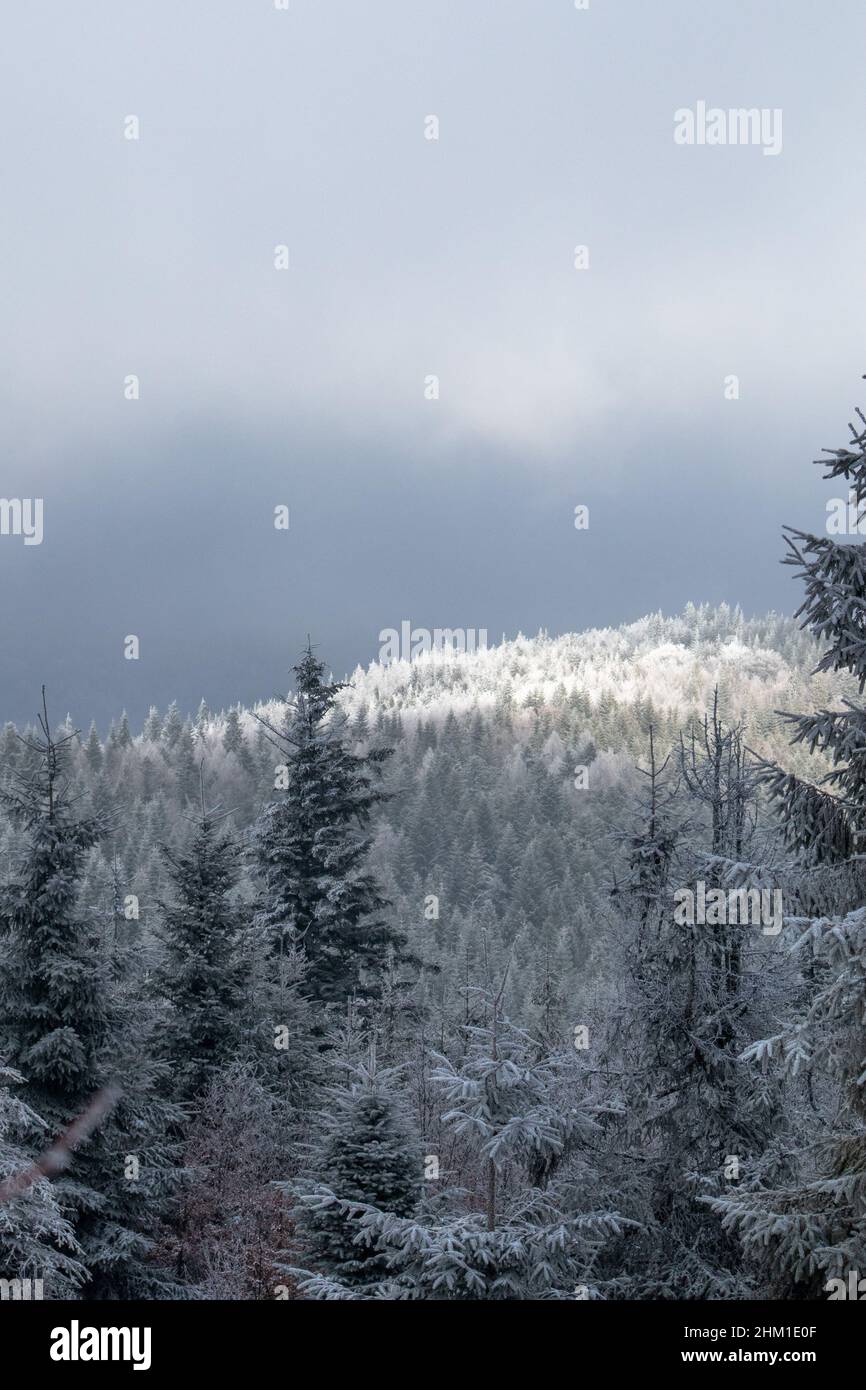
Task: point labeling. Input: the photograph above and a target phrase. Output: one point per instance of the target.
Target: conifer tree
(36, 1240)
(52, 1004)
(153, 725)
(61, 1029)
(201, 976)
(10, 746)
(311, 849)
(184, 760)
(812, 1229)
(93, 751)
(544, 1220)
(235, 742)
(232, 736)
(172, 726)
(692, 992)
(367, 1156)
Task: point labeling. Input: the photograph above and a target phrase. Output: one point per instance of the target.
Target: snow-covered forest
(482, 807)
(453, 980)
(432, 675)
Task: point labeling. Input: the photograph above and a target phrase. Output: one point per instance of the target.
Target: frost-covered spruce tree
(531, 1225)
(813, 1229)
(138, 1144)
(53, 1007)
(201, 976)
(60, 1027)
(311, 850)
(36, 1240)
(366, 1155)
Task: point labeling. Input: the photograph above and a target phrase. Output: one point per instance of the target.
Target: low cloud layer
(409, 259)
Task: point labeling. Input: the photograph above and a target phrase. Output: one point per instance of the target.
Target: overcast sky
(408, 257)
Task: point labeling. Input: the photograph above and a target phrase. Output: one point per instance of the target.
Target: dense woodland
(386, 987)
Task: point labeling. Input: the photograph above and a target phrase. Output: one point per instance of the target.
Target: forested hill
(485, 813)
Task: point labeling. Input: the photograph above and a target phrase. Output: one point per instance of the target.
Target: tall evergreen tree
(93, 751)
(53, 1013)
(153, 725)
(60, 1027)
(311, 850)
(233, 739)
(691, 993)
(184, 761)
(201, 976)
(202, 719)
(813, 1229)
(172, 726)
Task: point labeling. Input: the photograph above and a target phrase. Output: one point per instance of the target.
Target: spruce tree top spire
(826, 825)
(835, 573)
(47, 794)
(315, 697)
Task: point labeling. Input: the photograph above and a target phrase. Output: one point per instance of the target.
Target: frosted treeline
(485, 814)
(389, 988)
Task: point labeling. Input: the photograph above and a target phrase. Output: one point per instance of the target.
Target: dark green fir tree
(311, 847)
(201, 976)
(365, 1155)
(63, 1028)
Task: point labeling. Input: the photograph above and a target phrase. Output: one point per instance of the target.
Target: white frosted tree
(526, 1230)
